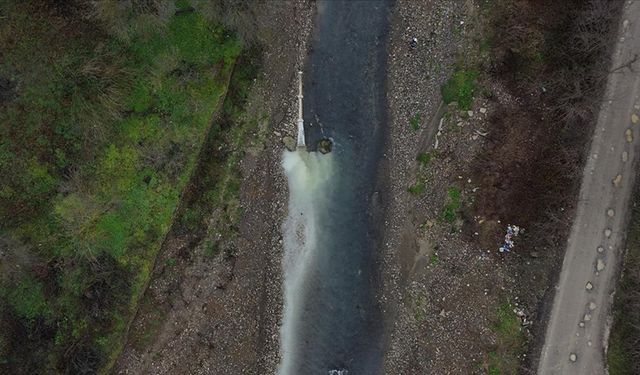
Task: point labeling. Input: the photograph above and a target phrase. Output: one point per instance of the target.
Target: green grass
(618, 359)
(96, 148)
(485, 46)
(452, 205)
(414, 122)
(419, 303)
(494, 363)
(434, 260)
(417, 189)
(509, 342)
(425, 158)
(622, 356)
(460, 88)
(27, 299)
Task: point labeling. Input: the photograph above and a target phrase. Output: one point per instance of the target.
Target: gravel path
(578, 329)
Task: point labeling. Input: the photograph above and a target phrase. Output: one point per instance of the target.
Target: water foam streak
(308, 176)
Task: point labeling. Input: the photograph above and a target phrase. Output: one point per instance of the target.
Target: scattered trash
(482, 134)
(512, 231)
(413, 43)
(520, 313)
(617, 180)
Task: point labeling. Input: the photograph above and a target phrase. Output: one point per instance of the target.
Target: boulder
(289, 143)
(325, 145)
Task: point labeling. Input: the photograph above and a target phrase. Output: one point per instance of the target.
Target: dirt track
(577, 331)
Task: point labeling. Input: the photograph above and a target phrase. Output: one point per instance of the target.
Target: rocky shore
(440, 288)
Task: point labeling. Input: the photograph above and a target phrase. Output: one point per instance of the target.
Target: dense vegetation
(103, 109)
(624, 343)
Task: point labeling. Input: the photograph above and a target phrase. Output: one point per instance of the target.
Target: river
(332, 321)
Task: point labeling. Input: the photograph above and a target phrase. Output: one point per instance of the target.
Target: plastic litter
(413, 43)
(512, 231)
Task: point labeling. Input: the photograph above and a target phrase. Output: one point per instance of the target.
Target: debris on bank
(523, 316)
(512, 231)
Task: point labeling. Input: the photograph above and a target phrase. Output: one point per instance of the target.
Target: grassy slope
(97, 140)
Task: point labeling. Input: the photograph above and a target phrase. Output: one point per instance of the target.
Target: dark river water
(332, 321)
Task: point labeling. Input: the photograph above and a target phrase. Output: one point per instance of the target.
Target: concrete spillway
(300, 142)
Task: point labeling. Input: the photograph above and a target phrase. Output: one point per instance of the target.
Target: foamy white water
(308, 176)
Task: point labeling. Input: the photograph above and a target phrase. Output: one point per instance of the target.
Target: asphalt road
(578, 328)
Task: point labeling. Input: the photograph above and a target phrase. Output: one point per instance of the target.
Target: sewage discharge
(332, 322)
(308, 176)
(326, 325)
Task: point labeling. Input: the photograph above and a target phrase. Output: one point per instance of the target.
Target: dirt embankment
(513, 157)
(220, 313)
